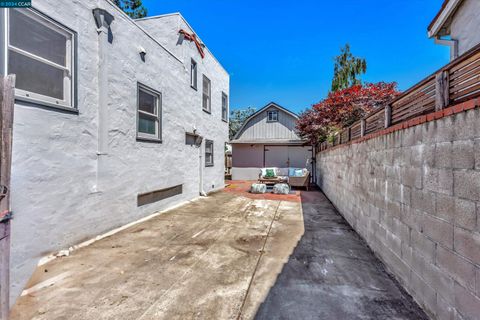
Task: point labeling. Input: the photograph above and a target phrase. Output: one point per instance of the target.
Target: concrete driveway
(194, 262)
(229, 256)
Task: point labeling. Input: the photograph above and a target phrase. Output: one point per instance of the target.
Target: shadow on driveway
(333, 274)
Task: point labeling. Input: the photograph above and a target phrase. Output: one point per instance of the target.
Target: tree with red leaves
(342, 108)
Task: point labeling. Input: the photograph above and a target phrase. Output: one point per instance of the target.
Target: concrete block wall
(414, 196)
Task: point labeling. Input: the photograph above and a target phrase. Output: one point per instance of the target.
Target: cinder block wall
(414, 195)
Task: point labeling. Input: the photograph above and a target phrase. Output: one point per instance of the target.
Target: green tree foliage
(237, 118)
(347, 70)
(134, 8)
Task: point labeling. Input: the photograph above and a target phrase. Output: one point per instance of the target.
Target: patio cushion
(282, 172)
(281, 188)
(264, 171)
(258, 188)
(299, 173)
(291, 172)
(270, 173)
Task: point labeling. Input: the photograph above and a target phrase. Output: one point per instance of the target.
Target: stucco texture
(61, 193)
(465, 25)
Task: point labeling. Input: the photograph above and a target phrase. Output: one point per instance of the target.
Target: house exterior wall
(465, 25)
(414, 196)
(259, 128)
(61, 195)
(247, 160)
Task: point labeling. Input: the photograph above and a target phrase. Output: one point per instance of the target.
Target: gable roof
(448, 9)
(271, 104)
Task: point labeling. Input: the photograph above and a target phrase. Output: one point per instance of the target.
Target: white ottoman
(281, 188)
(258, 188)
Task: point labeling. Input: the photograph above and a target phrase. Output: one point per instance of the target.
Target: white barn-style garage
(268, 139)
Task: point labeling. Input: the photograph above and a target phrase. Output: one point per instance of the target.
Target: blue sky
(283, 51)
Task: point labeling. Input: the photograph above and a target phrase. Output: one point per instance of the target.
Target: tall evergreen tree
(134, 8)
(347, 70)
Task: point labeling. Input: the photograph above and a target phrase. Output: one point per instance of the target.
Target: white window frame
(209, 164)
(225, 107)
(68, 101)
(194, 74)
(157, 137)
(207, 108)
(271, 117)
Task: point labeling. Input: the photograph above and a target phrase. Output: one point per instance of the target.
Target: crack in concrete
(262, 251)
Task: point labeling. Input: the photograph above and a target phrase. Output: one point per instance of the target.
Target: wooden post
(442, 90)
(363, 127)
(7, 100)
(388, 116)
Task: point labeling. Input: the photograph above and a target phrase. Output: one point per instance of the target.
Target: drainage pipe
(452, 43)
(103, 20)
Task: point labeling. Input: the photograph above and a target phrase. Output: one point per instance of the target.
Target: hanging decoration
(192, 37)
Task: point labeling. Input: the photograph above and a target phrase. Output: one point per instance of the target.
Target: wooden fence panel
(456, 82)
(419, 101)
(345, 136)
(465, 79)
(356, 130)
(7, 92)
(375, 122)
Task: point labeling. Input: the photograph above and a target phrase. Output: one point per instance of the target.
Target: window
(41, 54)
(208, 153)
(272, 116)
(193, 74)
(207, 91)
(149, 124)
(224, 107)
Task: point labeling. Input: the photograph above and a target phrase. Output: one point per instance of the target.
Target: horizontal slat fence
(356, 130)
(465, 79)
(418, 102)
(345, 136)
(456, 82)
(375, 122)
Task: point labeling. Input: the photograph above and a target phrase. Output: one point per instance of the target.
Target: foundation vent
(157, 195)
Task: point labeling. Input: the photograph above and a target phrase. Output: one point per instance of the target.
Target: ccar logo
(15, 4)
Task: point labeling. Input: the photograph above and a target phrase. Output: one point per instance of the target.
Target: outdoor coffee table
(272, 181)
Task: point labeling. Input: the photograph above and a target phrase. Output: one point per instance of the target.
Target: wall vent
(157, 195)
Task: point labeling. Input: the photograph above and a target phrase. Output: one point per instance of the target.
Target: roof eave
(438, 23)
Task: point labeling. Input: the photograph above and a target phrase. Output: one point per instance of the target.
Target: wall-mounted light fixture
(143, 53)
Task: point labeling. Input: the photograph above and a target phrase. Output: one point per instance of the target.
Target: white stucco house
(456, 25)
(115, 119)
(268, 139)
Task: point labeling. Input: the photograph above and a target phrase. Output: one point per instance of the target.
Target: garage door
(276, 156)
(288, 156)
(300, 157)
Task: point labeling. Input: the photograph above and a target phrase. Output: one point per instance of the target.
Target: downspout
(103, 20)
(452, 43)
(200, 165)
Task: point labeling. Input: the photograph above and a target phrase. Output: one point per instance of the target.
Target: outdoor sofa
(295, 177)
